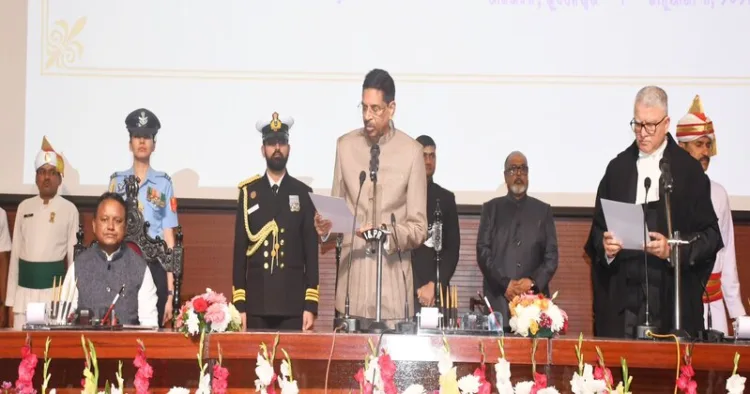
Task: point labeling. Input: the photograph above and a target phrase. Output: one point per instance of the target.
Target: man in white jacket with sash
(695, 132)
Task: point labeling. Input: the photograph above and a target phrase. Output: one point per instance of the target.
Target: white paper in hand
(335, 210)
(625, 222)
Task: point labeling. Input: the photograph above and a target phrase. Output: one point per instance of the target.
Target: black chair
(153, 250)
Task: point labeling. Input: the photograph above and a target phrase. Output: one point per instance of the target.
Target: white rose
(735, 384)
(469, 384)
(444, 364)
(285, 369)
(524, 387)
(193, 324)
(289, 387)
(204, 384)
(415, 389)
(502, 370)
(504, 387)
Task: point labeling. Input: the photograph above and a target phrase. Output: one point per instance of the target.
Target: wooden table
(315, 355)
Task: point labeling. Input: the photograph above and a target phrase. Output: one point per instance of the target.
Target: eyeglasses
(517, 170)
(650, 128)
(375, 109)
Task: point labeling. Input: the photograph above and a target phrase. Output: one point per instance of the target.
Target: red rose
(200, 305)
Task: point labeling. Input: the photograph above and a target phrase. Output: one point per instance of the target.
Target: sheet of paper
(335, 210)
(625, 221)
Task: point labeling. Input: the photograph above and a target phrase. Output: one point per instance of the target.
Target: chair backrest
(153, 250)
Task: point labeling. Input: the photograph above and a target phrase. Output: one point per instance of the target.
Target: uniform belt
(34, 275)
(713, 288)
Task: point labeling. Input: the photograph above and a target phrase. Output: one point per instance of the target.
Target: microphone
(407, 326)
(643, 329)
(346, 323)
(709, 334)
(374, 162)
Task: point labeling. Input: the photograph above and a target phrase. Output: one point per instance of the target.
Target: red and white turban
(695, 125)
(48, 156)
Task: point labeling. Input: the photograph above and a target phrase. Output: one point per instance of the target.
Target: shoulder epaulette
(114, 175)
(248, 181)
(163, 174)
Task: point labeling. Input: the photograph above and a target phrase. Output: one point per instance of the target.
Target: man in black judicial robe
(618, 276)
(424, 264)
(517, 241)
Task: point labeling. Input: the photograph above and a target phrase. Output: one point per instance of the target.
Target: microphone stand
(378, 236)
(643, 329)
(675, 242)
(347, 323)
(437, 240)
(406, 326)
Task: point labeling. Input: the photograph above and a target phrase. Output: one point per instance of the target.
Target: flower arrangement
(219, 381)
(208, 312)
(735, 383)
(377, 376)
(539, 384)
(584, 381)
(502, 371)
(144, 372)
(685, 381)
(264, 369)
(623, 388)
(537, 316)
(26, 370)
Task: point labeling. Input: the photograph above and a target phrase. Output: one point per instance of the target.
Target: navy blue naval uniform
(275, 276)
(156, 199)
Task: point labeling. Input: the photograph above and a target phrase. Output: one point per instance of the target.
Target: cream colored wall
(12, 92)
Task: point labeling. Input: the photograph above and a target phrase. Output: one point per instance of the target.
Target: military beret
(142, 123)
(276, 128)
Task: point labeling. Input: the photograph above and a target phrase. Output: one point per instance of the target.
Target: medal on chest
(51, 217)
(294, 203)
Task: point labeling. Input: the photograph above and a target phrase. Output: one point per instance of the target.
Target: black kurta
(423, 261)
(619, 287)
(517, 239)
(280, 277)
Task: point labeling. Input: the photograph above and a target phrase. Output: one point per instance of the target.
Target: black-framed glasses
(650, 128)
(517, 170)
(376, 110)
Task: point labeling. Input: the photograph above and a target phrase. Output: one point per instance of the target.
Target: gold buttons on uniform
(265, 265)
(276, 247)
(273, 253)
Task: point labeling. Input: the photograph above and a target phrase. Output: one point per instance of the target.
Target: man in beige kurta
(44, 234)
(401, 190)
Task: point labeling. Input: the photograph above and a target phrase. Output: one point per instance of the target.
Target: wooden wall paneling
(209, 239)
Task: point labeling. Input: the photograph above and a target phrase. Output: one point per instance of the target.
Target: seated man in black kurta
(423, 262)
(517, 241)
(619, 276)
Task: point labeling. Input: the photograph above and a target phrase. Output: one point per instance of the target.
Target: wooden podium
(174, 359)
